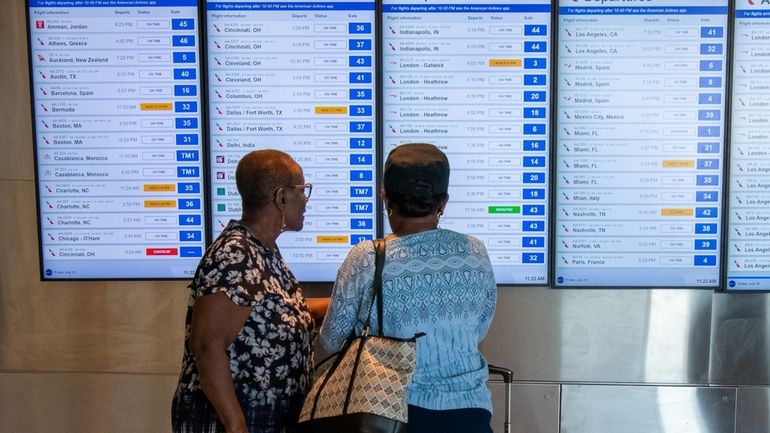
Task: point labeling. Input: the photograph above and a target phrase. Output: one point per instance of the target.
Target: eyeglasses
(307, 189)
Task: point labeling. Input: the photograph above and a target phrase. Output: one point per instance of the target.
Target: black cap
(416, 169)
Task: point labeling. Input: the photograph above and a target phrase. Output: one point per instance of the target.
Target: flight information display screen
(117, 132)
(639, 150)
(748, 234)
(299, 77)
(473, 79)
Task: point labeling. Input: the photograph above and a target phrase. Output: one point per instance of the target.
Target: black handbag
(362, 388)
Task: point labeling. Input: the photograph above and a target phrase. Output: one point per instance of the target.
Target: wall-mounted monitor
(747, 265)
(623, 187)
(299, 77)
(640, 143)
(473, 78)
(116, 108)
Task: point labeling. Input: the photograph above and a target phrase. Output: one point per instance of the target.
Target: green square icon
(220, 191)
(221, 207)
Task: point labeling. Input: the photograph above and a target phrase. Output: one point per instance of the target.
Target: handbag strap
(379, 261)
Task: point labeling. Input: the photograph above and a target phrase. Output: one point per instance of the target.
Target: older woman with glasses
(248, 342)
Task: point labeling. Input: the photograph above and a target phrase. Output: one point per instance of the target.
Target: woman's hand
(318, 308)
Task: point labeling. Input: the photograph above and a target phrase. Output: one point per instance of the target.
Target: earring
(390, 211)
(283, 221)
(440, 218)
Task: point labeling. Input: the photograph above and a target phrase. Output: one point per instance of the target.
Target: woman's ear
(280, 197)
(443, 203)
(383, 196)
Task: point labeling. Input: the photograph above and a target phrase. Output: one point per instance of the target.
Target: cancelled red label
(162, 251)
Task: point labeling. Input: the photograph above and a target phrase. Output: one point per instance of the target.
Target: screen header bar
(467, 8)
(289, 6)
(643, 10)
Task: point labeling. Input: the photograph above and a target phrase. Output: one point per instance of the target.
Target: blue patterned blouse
(438, 282)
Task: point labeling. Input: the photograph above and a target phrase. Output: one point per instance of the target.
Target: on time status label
(117, 133)
(748, 234)
(473, 79)
(639, 154)
(299, 77)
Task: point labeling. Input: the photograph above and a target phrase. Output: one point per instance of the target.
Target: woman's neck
(403, 226)
(262, 229)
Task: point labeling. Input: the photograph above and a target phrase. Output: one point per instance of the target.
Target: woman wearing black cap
(435, 281)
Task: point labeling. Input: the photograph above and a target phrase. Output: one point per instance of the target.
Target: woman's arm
(489, 290)
(354, 278)
(216, 323)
